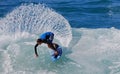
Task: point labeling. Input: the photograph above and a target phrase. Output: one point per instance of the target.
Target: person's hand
(36, 56)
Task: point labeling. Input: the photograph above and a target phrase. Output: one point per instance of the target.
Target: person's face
(39, 43)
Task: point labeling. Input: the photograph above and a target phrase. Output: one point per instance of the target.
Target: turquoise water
(88, 32)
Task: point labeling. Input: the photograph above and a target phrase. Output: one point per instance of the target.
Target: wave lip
(36, 19)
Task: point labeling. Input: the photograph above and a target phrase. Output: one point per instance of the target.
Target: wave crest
(36, 19)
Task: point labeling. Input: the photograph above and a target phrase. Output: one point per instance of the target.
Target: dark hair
(39, 40)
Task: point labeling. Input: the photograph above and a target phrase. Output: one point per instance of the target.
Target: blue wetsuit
(47, 37)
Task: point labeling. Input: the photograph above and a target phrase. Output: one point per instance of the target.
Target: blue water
(87, 30)
(87, 13)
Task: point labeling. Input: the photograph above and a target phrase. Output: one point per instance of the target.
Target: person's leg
(52, 47)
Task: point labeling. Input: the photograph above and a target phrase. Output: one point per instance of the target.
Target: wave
(36, 19)
(97, 48)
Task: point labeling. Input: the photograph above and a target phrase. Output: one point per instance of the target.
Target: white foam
(36, 19)
(97, 48)
(7, 63)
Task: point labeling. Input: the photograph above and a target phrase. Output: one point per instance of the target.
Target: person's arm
(35, 48)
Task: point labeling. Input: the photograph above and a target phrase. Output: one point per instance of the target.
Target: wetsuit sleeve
(35, 48)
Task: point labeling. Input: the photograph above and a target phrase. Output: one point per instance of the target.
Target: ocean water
(87, 30)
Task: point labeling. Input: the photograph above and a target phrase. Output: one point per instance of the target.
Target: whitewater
(85, 51)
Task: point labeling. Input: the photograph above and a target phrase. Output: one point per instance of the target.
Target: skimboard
(53, 57)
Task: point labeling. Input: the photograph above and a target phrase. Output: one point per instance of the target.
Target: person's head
(39, 41)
